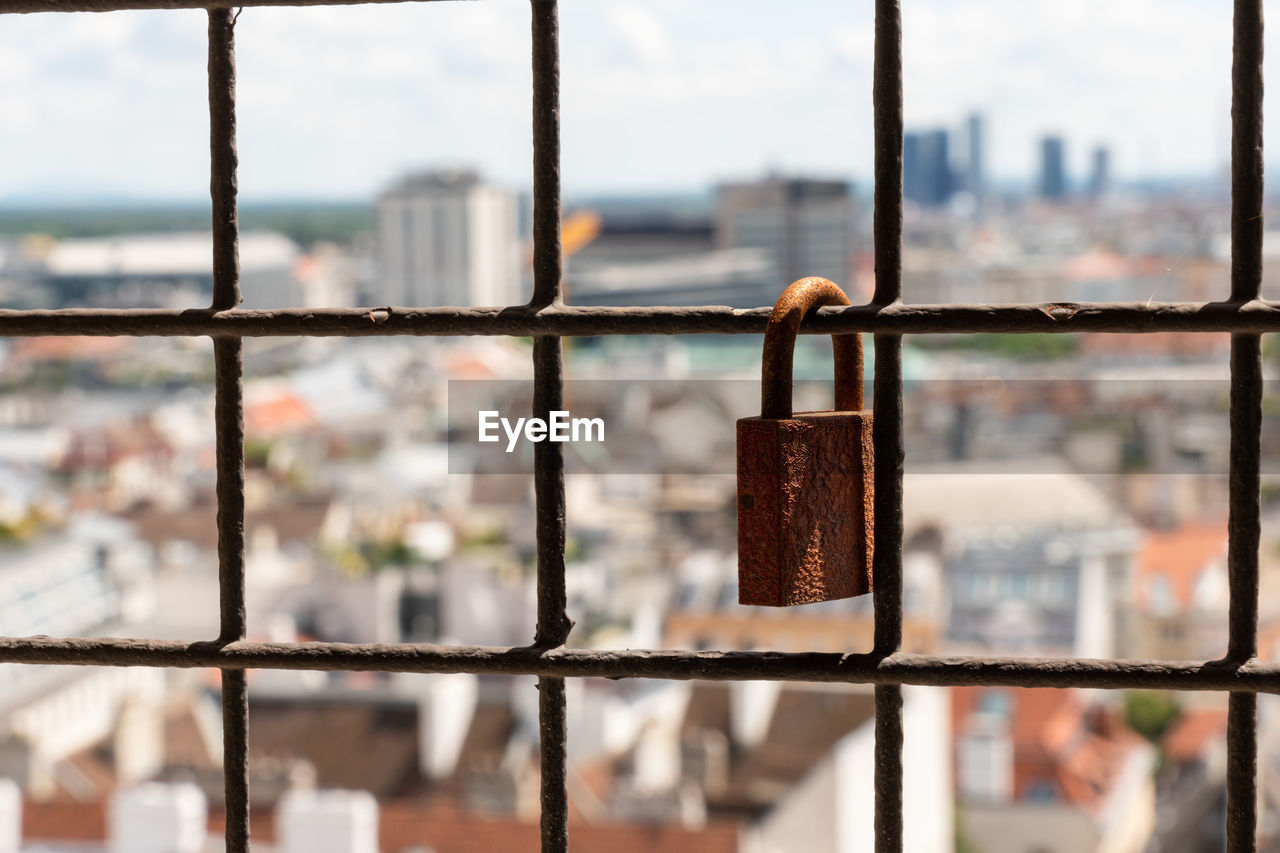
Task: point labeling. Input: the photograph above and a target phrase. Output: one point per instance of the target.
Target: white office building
(447, 238)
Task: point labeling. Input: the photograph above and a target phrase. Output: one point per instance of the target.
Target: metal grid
(1244, 315)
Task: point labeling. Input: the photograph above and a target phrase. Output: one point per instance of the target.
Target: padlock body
(805, 508)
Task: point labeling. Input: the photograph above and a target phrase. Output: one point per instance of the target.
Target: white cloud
(642, 37)
(337, 100)
(1141, 76)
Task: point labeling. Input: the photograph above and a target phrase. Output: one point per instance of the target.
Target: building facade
(804, 227)
(448, 238)
(1053, 168)
(1100, 171)
(927, 178)
(163, 270)
(975, 181)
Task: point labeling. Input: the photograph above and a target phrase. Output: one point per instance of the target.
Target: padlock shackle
(795, 302)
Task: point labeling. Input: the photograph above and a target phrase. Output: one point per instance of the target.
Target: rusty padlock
(805, 522)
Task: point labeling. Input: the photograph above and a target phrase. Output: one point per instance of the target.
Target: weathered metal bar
(548, 395)
(1244, 526)
(901, 668)
(1253, 317)
(229, 452)
(223, 160)
(35, 6)
(1242, 772)
(1243, 523)
(547, 262)
(229, 421)
(548, 486)
(886, 98)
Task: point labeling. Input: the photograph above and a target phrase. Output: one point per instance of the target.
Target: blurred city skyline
(336, 102)
(1064, 496)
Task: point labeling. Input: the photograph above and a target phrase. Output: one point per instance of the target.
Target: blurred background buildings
(1065, 496)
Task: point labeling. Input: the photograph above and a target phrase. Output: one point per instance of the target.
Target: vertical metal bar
(886, 97)
(548, 395)
(1246, 151)
(888, 768)
(887, 438)
(223, 159)
(1243, 523)
(548, 482)
(229, 418)
(1246, 420)
(552, 726)
(1242, 768)
(887, 427)
(546, 153)
(1242, 569)
(228, 356)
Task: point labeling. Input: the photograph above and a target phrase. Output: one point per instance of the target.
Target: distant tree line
(305, 223)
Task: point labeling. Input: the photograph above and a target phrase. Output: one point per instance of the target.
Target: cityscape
(1064, 496)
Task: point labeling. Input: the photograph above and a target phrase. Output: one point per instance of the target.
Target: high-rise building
(911, 176)
(974, 173)
(1053, 170)
(1100, 171)
(926, 168)
(447, 238)
(804, 226)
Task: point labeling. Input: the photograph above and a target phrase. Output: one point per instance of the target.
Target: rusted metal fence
(1244, 315)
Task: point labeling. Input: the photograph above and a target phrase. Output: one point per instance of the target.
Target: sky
(657, 95)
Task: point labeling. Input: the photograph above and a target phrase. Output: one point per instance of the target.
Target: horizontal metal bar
(30, 6)
(902, 668)
(1255, 316)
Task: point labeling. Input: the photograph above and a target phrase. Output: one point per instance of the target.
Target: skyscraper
(1100, 172)
(447, 238)
(804, 226)
(974, 174)
(926, 168)
(1053, 173)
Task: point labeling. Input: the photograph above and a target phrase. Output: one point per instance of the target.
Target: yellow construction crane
(578, 231)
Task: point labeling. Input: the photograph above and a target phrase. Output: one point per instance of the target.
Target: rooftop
(1193, 730)
(1061, 744)
(1172, 564)
(183, 253)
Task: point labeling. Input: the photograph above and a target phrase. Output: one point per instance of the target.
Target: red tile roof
(1194, 730)
(1057, 738)
(440, 826)
(1178, 344)
(70, 348)
(1179, 556)
(277, 415)
(64, 820)
(447, 829)
(1269, 639)
(1095, 265)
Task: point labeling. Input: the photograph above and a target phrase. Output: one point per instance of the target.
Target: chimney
(158, 819)
(20, 761)
(984, 759)
(327, 822)
(751, 706)
(10, 817)
(138, 742)
(446, 707)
